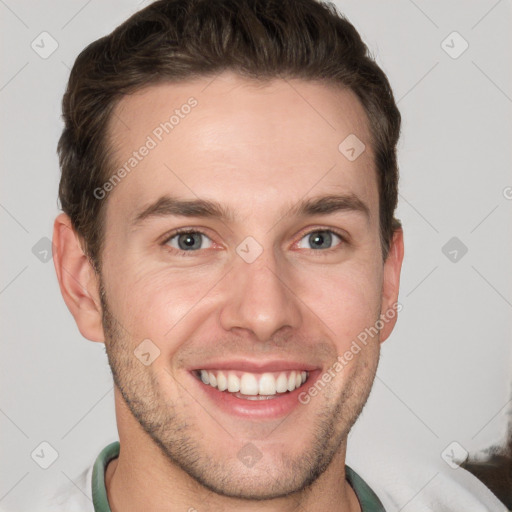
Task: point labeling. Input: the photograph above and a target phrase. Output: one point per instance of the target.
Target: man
(229, 182)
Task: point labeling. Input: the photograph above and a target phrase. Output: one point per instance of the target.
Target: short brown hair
(176, 40)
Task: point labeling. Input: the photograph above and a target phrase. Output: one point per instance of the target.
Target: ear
(391, 284)
(78, 281)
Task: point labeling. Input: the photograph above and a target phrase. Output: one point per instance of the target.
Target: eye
(189, 241)
(320, 239)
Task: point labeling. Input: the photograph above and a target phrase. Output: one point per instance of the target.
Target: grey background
(445, 372)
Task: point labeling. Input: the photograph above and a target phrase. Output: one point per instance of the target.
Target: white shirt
(401, 484)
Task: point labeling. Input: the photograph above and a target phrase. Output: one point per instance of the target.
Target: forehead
(243, 143)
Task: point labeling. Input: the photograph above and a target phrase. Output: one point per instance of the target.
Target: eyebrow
(324, 205)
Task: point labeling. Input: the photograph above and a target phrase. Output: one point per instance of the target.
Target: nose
(260, 298)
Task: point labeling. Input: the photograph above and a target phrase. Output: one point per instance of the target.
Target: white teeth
(222, 381)
(233, 383)
(282, 383)
(291, 381)
(249, 384)
(267, 384)
(254, 397)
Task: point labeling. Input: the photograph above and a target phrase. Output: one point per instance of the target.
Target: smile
(253, 386)
(252, 390)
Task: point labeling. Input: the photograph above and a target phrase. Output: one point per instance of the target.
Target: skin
(257, 149)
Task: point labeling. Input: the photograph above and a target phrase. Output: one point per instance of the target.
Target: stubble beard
(179, 439)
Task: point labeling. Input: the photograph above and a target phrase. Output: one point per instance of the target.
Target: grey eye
(189, 241)
(320, 239)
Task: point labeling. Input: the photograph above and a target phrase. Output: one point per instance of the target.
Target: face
(242, 250)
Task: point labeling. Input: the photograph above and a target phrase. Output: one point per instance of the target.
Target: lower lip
(280, 405)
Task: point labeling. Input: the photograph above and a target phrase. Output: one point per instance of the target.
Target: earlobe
(78, 281)
(391, 284)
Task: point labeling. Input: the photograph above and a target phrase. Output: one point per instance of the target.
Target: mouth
(253, 386)
(253, 392)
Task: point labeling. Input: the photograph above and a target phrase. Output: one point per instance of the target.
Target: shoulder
(408, 483)
(73, 495)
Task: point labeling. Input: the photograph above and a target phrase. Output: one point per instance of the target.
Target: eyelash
(180, 252)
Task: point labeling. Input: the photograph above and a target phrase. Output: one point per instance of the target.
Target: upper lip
(273, 365)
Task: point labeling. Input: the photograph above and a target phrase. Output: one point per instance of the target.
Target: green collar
(99, 492)
(367, 498)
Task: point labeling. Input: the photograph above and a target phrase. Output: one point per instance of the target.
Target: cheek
(346, 299)
(162, 303)
(156, 301)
